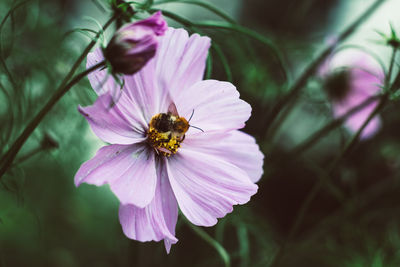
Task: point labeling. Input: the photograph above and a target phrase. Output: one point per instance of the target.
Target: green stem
(356, 137)
(206, 5)
(8, 158)
(313, 66)
(389, 74)
(212, 242)
(317, 186)
(223, 60)
(331, 126)
(374, 193)
(231, 27)
(29, 155)
(349, 147)
(209, 65)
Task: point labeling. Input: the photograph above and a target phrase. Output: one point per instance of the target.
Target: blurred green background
(46, 221)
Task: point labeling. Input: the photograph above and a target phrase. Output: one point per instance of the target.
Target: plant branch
(349, 147)
(331, 126)
(211, 241)
(8, 158)
(313, 66)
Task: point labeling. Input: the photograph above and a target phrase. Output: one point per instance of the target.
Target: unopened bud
(135, 44)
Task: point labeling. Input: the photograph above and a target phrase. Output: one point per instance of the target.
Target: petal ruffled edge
(236, 147)
(181, 59)
(206, 186)
(128, 169)
(110, 124)
(156, 221)
(215, 106)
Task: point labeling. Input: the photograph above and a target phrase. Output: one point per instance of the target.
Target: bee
(167, 131)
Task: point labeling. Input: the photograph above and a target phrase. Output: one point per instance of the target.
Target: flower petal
(179, 63)
(157, 220)
(141, 89)
(355, 121)
(206, 186)
(216, 106)
(110, 124)
(363, 86)
(181, 60)
(237, 147)
(102, 82)
(128, 169)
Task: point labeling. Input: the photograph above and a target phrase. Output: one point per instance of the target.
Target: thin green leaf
(203, 4)
(232, 27)
(9, 14)
(393, 32)
(83, 31)
(11, 11)
(224, 61)
(211, 241)
(244, 244)
(148, 4)
(209, 64)
(99, 26)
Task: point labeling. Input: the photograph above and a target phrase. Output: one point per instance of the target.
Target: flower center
(338, 84)
(166, 132)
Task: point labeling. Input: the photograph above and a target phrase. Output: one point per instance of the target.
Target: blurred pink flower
(153, 164)
(352, 77)
(135, 44)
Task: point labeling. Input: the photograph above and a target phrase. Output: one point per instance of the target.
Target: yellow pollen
(166, 132)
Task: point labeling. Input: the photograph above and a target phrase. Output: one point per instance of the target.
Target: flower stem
(389, 74)
(317, 186)
(211, 241)
(331, 126)
(8, 158)
(268, 42)
(349, 147)
(203, 4)
(313, 66)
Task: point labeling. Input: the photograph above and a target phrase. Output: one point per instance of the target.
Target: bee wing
(172, 109)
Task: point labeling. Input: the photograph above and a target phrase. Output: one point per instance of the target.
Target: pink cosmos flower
(156, 162)
(352, 77)
(135, 44)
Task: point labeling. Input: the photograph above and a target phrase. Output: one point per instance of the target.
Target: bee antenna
(191, 116)
(196, 128)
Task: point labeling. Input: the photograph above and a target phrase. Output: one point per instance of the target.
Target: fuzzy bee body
(166, 132)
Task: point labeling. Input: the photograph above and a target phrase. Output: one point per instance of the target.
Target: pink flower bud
(135, 44)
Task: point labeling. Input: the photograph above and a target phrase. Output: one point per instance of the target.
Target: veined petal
(141, 89)
(237, 147)
(139, 95)
(157, 220)
(216, 106)
(110, 124)
(179, 63)
(128, 169)
(180, 60)
(206, 186)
